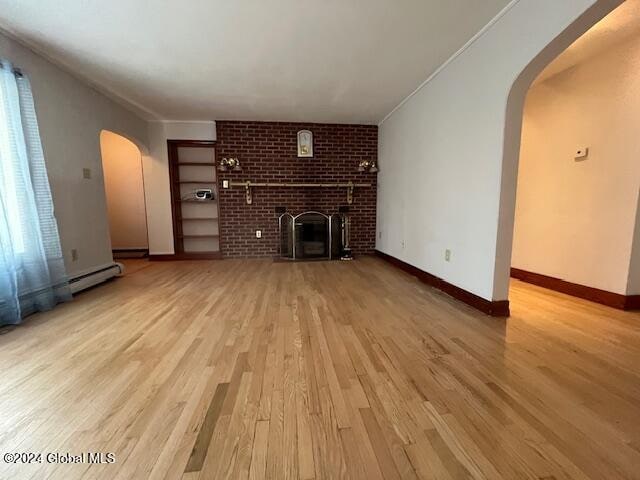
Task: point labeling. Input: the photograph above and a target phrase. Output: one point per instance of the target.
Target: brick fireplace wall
(268, 153)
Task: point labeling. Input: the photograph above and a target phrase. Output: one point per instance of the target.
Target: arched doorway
(124, 190)
(593, 18)
(573, 91)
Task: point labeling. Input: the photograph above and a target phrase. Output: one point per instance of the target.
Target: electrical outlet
(258, 233)
(74, 254)
(86, 173)
(447, 255)
(379, 234)
(225, 183)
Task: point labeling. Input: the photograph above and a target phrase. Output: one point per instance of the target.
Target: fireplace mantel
(248, 185)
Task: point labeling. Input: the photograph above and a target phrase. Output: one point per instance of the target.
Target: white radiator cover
(102, 274)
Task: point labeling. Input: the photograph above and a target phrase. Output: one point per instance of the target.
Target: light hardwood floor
(254, 369)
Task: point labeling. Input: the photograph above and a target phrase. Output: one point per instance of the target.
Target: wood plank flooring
(326, 370)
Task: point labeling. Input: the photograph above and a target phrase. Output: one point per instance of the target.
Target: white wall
(156, 178)
(575, 219)
(442, 182)
(124, 189)
(71, 116)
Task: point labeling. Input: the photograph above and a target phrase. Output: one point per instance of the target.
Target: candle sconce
(368, 165)
(230, 164)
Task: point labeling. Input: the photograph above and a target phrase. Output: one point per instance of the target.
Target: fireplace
(310, 235)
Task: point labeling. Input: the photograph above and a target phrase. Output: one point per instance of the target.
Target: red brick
(268, 153)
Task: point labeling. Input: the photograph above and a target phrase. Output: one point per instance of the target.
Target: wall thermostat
(581, 152)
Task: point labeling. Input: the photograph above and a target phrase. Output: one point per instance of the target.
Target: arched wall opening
(125, 195)
(513, 132)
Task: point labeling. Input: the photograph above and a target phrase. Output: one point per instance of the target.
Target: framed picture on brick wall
(305, 143)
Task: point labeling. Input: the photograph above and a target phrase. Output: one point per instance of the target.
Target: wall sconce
(230, 163)
(369, 165)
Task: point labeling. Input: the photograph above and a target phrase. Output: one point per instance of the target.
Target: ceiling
(620, 25)
(347, 61)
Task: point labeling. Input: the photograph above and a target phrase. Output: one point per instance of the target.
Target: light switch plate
(225, 183)
(258, 233)
(86, 173)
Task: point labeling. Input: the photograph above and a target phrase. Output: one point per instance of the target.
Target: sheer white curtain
(32, 273)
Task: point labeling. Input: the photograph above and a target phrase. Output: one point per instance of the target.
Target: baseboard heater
(88, 280)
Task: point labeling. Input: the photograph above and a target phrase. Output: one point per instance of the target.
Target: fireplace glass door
(312, 235)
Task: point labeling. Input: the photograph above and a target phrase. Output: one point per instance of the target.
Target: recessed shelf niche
(195, 222)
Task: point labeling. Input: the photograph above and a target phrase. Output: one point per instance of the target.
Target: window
(9, 192)
(32, 273)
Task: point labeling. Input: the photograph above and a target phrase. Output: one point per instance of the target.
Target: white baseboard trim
(99, 275)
